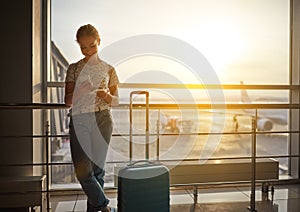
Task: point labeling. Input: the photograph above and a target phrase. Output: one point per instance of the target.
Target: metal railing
(51, 106)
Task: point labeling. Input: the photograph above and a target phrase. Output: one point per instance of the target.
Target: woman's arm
(69, 90)
(111, 97)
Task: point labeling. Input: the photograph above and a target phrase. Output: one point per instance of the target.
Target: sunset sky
(242, 39)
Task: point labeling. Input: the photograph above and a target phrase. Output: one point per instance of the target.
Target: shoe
(109, 209)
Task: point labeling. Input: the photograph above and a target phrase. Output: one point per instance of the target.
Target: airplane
(266, 117)
(265, 120)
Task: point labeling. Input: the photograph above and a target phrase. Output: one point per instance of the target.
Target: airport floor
(233, 199)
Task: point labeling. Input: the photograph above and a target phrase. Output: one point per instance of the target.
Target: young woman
(91, 88)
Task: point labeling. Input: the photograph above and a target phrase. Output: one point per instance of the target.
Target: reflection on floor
(286, 199)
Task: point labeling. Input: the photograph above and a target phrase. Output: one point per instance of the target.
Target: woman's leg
(80, 134)
(101, 139)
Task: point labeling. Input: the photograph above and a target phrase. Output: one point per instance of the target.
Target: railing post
(253, 163)
(47, 166)
(157, 134)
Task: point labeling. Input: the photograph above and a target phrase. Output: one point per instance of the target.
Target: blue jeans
(90, 134)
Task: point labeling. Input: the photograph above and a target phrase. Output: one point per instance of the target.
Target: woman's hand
(110, 95)
(102, 93)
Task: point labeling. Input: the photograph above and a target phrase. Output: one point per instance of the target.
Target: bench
(22, 192)
(193, 173)
(222, 172)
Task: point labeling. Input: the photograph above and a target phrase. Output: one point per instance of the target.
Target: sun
(220, 43)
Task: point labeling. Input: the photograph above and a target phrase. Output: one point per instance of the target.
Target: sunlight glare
(220, 43)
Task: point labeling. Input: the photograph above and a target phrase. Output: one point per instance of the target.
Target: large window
(237, 42)
(243, 40)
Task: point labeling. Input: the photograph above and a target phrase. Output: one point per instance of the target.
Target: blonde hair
(87, 30)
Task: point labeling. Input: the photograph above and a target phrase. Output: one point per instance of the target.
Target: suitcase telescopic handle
(139, 92)
(146, 93)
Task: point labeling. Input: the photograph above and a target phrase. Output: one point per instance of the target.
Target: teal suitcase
(143, 186)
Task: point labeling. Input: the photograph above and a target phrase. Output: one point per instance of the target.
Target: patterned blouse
(100, 75)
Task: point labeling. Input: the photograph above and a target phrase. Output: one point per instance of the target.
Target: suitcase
(143, 186)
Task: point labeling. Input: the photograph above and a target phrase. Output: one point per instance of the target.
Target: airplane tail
(244, 95)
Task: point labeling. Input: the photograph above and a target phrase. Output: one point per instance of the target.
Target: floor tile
(185, 208)
(222, 197)
(288, 205)
(80, 206)
(181, 199)
(61, 201)
(237, 207)
(296, 188)
(279, 193)
(65, 206)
